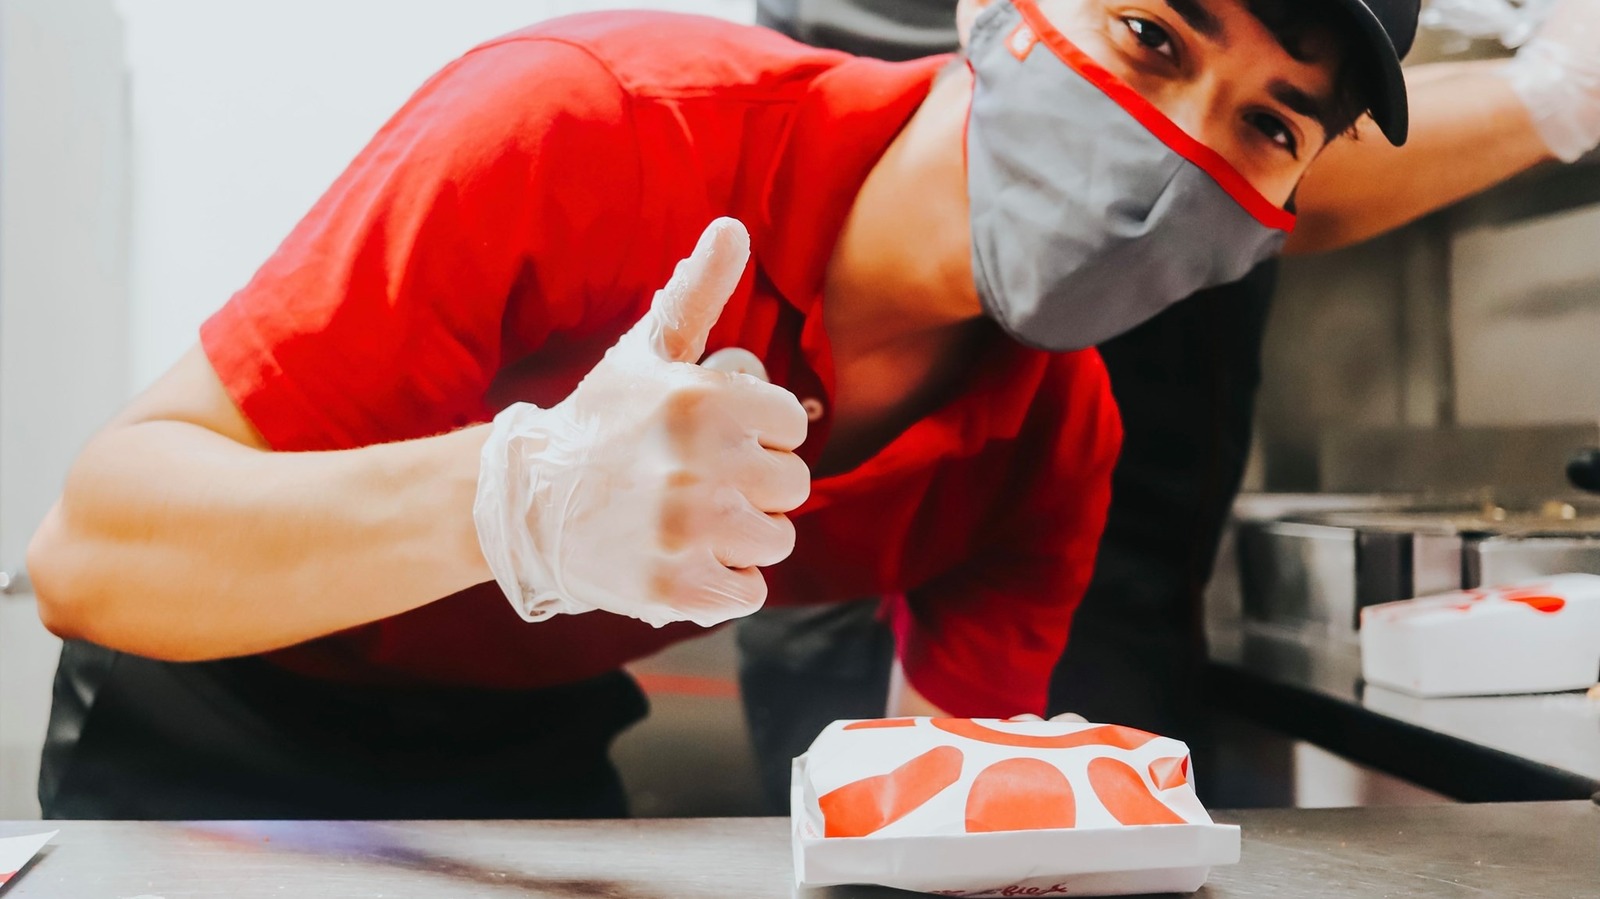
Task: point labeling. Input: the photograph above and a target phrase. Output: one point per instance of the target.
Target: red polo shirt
(515, 217)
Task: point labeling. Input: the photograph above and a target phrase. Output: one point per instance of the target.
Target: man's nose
(1200, 109)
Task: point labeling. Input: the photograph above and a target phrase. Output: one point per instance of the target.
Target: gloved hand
(657, 488)
(1557, 76)
(1511, 22)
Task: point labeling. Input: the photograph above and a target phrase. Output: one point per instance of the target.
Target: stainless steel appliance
(1313, 571)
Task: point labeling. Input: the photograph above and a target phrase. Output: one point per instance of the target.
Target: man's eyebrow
(1194, 13)
(1303, 103)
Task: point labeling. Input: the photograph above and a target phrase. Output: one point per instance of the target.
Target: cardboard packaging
(1538, 636)
(960, 807)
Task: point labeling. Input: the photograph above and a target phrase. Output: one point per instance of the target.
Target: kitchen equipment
(1583, 470)
(1313, 572)
(1511, 558)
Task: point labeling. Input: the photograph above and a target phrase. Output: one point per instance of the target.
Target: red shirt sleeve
(449, 247)
(982, 640)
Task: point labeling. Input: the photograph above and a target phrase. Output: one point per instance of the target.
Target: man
(1185, 387)
(274, 566)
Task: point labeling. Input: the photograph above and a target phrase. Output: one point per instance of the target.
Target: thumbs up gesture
(658, 488)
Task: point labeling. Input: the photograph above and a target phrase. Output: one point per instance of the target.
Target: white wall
(131, 207)
(63, 309)
(245, 112)
(1525, 320)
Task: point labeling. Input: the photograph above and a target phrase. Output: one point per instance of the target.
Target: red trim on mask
(966, 120)
(1166, 130)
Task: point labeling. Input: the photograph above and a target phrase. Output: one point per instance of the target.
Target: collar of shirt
(848, 118)
(841, 129)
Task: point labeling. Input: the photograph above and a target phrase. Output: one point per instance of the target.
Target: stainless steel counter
(1499, 748)
(1543, 849)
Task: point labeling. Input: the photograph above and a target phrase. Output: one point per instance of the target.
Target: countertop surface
(1509, 850)
(1474, 748)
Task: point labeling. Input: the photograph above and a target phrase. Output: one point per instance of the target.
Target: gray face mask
(1091, 211)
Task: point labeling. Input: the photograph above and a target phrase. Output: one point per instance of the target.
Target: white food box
(1537, 636)
(960, 807)
(16, 852)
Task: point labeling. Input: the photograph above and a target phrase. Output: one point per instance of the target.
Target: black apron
(1185, 383)
(134, 738)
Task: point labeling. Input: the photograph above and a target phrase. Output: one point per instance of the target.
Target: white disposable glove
(1557, 76)
(1511, 22)
(658, 487)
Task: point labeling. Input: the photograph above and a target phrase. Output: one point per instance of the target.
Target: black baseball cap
(1389, 27)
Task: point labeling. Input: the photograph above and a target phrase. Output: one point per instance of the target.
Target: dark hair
(1311, 32)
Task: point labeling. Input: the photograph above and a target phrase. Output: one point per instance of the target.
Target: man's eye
(1276, 131)
(1151, 35)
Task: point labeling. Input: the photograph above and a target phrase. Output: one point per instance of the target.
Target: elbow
(76, 602)
(58, 589)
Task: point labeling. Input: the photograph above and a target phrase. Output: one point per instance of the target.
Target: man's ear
(967, 13)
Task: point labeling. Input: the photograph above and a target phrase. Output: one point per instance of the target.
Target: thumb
(683, 312)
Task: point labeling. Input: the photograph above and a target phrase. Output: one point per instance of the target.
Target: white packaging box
(1538, 636)
(16, 852)
(960, 807)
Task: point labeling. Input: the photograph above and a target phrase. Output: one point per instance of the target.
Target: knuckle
(688, 401)
(664, 584)
(682, 479)
(676, 526)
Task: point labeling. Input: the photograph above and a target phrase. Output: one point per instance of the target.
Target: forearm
(1469, 132)
(176, 542)
(905, 701)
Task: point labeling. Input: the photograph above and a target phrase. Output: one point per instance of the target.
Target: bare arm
(180, 537)
(1469, 132)
(905, 701)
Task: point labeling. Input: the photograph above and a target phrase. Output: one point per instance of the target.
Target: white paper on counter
(974, 806)
(15, 852)
(1538, 636)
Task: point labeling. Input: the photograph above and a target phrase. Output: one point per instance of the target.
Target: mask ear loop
(966, 123)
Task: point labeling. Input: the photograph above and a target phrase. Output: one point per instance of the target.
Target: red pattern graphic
(869, 805)
(880, 723)
(1123, 792)
(1535, 596)
(1020, 794)
(1024, 793)
(1114, 735)
(1539, 602)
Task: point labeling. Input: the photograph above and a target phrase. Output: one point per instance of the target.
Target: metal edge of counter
(1450, 765)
